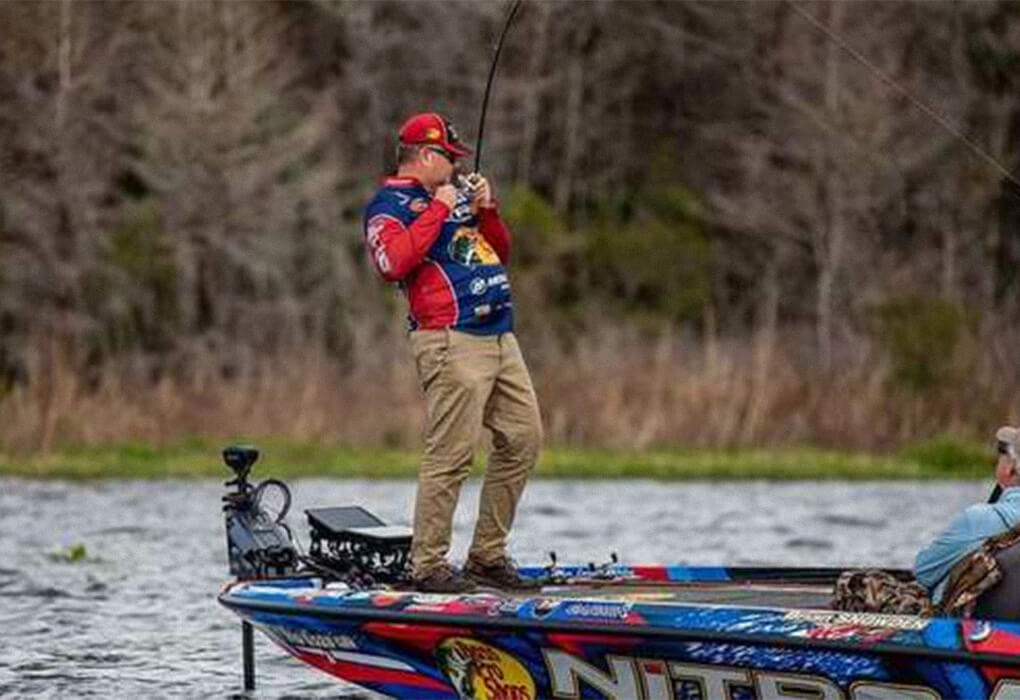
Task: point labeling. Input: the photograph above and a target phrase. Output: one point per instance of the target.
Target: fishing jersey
(450, 263)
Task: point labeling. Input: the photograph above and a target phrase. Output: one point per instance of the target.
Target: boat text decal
(839, 619)
(635, 678)
(311, 640)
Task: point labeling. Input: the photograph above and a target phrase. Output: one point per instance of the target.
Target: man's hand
(481, 190)
(484, 198)
(447, 194)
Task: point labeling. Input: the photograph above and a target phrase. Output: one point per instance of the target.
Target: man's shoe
(444, 579)
(501, 574)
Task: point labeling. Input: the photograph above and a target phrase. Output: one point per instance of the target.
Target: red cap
(430, 128)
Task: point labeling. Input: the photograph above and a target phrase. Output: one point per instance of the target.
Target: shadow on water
(138, 613)
(851, 521)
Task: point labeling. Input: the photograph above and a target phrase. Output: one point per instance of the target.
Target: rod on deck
(248, 653)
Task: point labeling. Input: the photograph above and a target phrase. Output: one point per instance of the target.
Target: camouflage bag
(880, 592)
(976, 574)
(876, 591)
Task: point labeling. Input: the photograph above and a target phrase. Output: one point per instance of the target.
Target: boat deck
(791, 595)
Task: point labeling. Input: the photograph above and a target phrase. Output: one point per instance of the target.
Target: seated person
(969, 529)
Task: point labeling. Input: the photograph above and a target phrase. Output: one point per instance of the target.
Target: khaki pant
(470, 381)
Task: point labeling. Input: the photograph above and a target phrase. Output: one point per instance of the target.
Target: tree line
(812, 195)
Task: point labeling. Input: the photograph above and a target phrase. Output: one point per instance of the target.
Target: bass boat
(610, 631)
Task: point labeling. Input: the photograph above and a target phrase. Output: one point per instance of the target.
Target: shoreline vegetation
(769, 257)
(942, 458)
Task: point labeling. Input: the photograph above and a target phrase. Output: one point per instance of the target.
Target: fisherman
(972, 527)
(447, 247)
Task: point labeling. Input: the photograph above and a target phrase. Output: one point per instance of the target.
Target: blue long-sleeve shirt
(964, 534)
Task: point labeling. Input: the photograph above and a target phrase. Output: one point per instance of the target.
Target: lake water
(138, 617)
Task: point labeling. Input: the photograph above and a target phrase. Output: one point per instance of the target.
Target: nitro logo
(482, 672)
(628, 678)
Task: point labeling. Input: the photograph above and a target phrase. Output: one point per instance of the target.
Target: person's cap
(1008, 438)
(431, 129)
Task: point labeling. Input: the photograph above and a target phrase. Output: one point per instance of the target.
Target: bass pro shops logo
(469, 248)
(482, 672)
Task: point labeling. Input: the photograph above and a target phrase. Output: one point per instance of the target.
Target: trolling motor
(259, 543)
(348, 544)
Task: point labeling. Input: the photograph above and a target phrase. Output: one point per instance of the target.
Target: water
(138, 617)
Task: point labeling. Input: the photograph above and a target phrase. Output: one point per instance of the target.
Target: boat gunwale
(240, 604)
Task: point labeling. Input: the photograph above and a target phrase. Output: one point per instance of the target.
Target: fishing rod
(511, 12)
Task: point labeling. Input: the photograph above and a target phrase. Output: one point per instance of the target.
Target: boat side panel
(396, 645)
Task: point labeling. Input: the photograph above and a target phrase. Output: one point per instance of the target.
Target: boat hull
(414, 645)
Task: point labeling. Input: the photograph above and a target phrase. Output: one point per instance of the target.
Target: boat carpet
(743, 595)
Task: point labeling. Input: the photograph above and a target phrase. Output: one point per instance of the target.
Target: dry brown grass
(614, 388)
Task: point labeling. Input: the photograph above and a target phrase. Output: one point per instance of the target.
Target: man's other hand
(480, 190)
(447, 194)
(483, 192)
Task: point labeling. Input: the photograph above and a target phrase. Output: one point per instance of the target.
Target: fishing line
(488, 84)
(938, 118)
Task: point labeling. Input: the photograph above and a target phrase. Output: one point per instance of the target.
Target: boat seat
(1002, 601)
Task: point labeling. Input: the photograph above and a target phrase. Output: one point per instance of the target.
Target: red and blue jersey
(450, 263)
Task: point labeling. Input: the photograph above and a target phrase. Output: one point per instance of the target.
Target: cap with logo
(433, 130)
(1008, 438)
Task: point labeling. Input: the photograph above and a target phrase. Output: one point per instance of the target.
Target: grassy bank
(940, 459)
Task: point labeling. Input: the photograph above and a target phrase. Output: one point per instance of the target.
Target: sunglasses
(441, 151)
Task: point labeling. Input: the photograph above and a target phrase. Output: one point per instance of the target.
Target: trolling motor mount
(259, 544)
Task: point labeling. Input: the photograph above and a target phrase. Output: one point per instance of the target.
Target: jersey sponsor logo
(418, 205)
(461, 213)
(374, 229)
(469, 248)
(373, 236)
(483, 672)
(478, 286)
